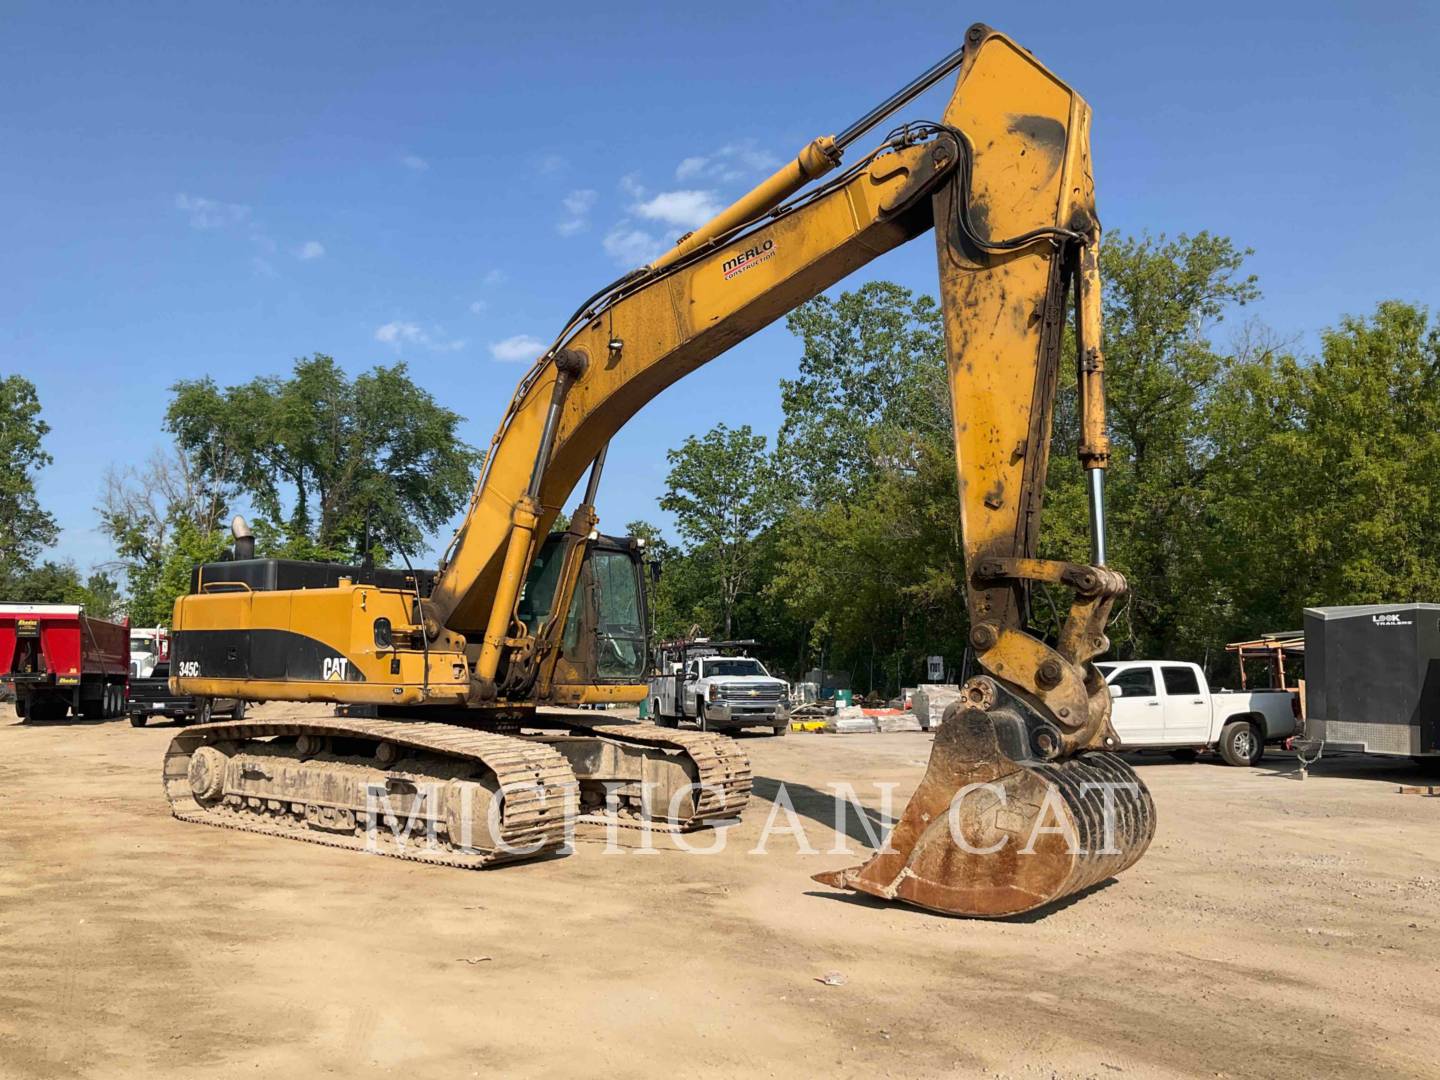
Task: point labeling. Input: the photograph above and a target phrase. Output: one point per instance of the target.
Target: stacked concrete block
(931, 701)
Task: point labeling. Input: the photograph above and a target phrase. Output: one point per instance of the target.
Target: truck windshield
(739, 666)
(142, 644)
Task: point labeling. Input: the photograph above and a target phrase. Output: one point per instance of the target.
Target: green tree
(868, 561)
(1342, 454)
(871, 392)
(1163, 300)
(724, 492)
(162, 519)
(871, 557)
(25, 528)
(61, 583)
(327, 460)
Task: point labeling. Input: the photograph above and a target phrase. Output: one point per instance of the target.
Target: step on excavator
(461, 686)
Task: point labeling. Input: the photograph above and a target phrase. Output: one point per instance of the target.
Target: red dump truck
(59, 660)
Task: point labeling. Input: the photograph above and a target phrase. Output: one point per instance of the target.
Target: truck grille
(756, 695)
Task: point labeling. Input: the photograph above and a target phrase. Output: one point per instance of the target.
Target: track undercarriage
(451, 795)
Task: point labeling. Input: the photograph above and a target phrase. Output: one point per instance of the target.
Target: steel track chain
(542, 794)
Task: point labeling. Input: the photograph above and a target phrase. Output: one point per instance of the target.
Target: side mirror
(1115, 691)
(655, 573)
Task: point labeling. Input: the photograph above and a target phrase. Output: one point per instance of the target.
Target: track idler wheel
(985, 835)
(207, 774)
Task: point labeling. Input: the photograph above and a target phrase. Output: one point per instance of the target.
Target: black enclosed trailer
(1372, 678)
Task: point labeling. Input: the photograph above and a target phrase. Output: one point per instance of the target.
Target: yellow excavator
(461, 685)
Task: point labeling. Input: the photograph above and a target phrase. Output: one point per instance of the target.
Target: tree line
(327, 466)
(1247, 480)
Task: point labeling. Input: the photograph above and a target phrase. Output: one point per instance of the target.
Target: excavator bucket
(985, 835)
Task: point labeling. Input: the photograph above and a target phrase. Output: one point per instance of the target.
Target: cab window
(1135, 682)
(1180, 681)
(538, 594)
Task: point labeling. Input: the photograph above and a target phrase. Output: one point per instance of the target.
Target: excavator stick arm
(1011, 814)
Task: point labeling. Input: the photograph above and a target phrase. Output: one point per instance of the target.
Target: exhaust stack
(244, 539)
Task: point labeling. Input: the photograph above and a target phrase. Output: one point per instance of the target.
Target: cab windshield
(734, 666)
(619, 623)
(606, 617)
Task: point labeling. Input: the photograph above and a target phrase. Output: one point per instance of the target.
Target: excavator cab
(602, 640)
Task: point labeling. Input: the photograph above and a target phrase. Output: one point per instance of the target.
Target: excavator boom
(1003, 178)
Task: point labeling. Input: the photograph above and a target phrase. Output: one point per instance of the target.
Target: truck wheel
(1240, 744)
(238, 713)
(46, 710)
(779, 729)
(204, 708)
(137, 719)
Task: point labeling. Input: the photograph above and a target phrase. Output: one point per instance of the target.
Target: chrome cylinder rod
(908, 92)
(1097, 516)
(592, 487)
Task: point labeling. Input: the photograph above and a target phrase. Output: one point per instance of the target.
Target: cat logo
(335, 668)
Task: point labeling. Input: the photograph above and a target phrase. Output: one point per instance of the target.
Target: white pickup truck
(1165, 704)
(720, 693)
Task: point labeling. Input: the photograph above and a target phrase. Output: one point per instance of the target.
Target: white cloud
(210, 213)
(577, 205)
(732, 162)
(631, 186)
(630, 246)
(494, 277)
(517, 349)
(686, 209)
(415, 163)
(400, 333)
(691, 167)
(550, 164)
(477, 307)
(394, 333)
(311, 249)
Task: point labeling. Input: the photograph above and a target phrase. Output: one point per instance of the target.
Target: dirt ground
(1276, 928)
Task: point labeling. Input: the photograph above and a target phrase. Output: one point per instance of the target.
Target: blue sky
(196, 189)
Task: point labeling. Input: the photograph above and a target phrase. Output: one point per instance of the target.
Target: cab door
(1187, 705)
(1135, 711)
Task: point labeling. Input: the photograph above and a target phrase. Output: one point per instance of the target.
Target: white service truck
(716, 692)
(149, 648)
(1168, 705)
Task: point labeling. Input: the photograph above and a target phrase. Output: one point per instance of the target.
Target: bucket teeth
(987, 836)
